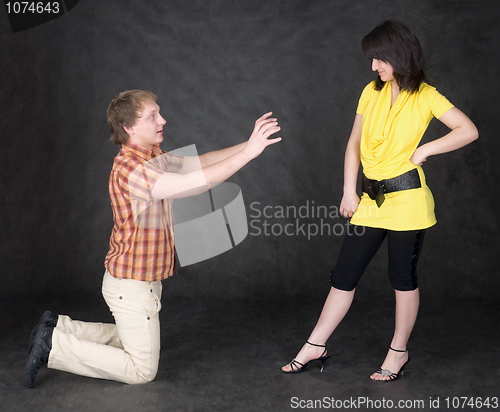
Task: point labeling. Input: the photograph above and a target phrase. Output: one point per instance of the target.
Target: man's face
(148, 128)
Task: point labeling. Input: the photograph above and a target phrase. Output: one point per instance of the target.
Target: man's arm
(196, 162)
(217, 156)
(173, 185)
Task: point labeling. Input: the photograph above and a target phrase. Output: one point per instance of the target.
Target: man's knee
(145, 379)
(142, 378)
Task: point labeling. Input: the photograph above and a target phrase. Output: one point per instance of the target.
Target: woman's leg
(404, 251)
(336, 306)
(407, 303)
(355, 254)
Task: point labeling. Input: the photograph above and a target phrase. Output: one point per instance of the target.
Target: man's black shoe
(48, 318)
(39, 356)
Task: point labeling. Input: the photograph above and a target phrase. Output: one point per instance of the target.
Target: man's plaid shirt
(141, 246)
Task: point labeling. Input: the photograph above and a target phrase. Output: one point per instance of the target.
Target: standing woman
(392, 116)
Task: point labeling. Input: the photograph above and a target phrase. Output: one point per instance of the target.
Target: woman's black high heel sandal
(392, 375)
(297, 367)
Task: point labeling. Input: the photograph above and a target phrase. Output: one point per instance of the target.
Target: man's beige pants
(127, 351)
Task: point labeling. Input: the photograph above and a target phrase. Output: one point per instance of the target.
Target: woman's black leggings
(358, 250)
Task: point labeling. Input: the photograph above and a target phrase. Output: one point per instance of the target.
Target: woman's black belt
(376, 189)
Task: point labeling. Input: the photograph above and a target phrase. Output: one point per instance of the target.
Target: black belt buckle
(379, 199)
(374, 189)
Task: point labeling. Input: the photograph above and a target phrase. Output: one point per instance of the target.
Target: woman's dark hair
(393, 42)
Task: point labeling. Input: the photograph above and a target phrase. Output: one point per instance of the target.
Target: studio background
(216, 67)
(229, 323)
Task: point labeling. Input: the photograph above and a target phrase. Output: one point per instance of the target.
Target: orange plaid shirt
(141, 246)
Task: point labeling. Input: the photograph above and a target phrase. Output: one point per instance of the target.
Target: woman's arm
(350, 199)
(463, 132)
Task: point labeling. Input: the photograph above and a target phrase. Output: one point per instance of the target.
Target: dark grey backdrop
(217, 66)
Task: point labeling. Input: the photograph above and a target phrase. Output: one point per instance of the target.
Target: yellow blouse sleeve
(438, 104)
(365, 98)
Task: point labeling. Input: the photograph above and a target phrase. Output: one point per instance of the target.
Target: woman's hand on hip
(418, 157)
(349, 204)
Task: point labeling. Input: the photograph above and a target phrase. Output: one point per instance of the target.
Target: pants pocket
(153, 302)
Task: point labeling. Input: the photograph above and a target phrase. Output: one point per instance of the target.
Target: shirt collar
(141, 151)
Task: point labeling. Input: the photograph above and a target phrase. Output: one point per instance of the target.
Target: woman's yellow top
(389, 137)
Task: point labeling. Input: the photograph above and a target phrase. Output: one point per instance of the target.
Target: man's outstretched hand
(259, 140)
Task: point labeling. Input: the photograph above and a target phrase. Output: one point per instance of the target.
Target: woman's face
(384, 69)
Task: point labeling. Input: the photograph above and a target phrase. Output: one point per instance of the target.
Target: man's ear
(129, 130)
